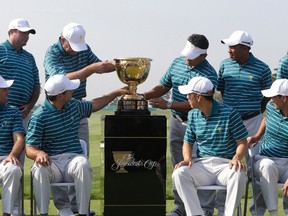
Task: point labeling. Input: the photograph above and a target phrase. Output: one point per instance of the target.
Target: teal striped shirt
(58, 61)
(20, 67)
(282, 70)
(56, 131)
(242, 84)
(275, 139)
(179, 73)
(216, 135)
(11, 122)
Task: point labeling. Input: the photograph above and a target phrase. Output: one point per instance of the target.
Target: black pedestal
(135, 166)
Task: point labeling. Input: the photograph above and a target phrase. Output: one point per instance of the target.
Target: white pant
(64, 168)
(270, 171)
(10, 176)
(209, 171)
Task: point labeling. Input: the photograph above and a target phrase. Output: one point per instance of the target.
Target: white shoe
(65, 212)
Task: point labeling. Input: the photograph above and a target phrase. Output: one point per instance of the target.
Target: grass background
(96, 160)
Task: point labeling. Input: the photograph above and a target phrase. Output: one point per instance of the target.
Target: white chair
(217, 188)
(33, 205)
(253, 151)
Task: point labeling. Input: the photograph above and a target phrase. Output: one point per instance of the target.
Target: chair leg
(246, 197)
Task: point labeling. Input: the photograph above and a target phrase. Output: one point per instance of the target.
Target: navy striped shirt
(56, 131)
(20, 67)
(282, 71)
(11, 122)
(179, 73)
(58, 61)
(242, 84)
(216, 135)
(275, 140)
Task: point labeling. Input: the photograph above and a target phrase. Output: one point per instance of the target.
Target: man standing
(221, 144)
(19, 65)
(272, 161)
(240, 80)
(11, 147)
(193, 63)
(53, 143)
(72, 57)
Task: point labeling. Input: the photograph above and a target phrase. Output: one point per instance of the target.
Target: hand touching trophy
(132, 71)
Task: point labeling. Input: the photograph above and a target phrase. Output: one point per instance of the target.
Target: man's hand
(25, 110)
(237, 164)
(43, 159)
(12, 159)
(158, 103)
(285, 189)
(183, 163)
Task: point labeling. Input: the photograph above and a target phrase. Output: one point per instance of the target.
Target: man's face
(278, 101)
(67, 47)
(18, 37)
(238, 52)
(193, 100)
(3, 95)
(196, 61)
(67, 95)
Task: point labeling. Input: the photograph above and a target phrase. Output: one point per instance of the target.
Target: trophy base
(132, 107)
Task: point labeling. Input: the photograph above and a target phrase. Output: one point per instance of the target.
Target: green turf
(96, 160)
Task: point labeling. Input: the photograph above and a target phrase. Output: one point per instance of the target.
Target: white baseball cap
(198, 85)
(279, 87)
(191, 52)
(21, 25)
(59, 83)
(74, 33)
(238, 37)
(5, 83)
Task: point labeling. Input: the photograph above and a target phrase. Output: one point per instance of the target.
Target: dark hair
(49, 97)
(199, 41)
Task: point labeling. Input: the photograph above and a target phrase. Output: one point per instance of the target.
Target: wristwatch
(169, 104)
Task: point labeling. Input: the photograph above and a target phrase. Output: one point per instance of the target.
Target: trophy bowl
(132, 71)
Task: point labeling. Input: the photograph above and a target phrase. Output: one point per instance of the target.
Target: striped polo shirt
(21, 67)
(58, 61)
(11, 122)
(242, 84)
(217, 134)
(282, 70)
(56, 131)
(275, 139)
(179, 73)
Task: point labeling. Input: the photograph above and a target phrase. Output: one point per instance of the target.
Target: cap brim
(78, 47)
(32, 31)
(269, 93)
(229, 42)
(73, 84)
(185, 89)
(191, 52)
(6, 83)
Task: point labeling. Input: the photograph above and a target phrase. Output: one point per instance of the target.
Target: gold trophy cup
(132, 71)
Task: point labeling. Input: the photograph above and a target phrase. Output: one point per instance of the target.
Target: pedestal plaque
(135, 165)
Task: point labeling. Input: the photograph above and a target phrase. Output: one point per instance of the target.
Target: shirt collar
(61, 49)
(9, 46)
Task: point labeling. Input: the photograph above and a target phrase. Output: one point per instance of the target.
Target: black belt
(180, 118)
(251, 115)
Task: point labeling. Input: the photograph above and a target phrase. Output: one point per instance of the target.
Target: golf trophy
(132, 71)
